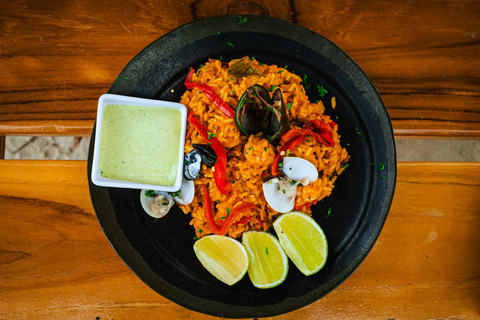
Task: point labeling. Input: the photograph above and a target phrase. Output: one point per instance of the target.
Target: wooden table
(58, 57)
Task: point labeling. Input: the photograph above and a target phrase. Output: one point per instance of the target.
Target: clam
(280, 193)
(300, 170)
(192, 165)
(186, 193)
(158, 205)
(258, 112)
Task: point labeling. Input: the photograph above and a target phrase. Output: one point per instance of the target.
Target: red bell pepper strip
(211, 95)
(283, 152)
(208, 214)
(220, 167)
(323, 129)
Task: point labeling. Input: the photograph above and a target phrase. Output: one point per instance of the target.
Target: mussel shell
(257, 112)
(252, 115)
(206, 153)
(278, 125)
(192, 165)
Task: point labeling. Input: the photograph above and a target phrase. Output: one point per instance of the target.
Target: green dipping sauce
(140, 144)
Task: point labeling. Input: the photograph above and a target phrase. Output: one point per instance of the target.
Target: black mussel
(279, 123)
(243, 68)
(206, 153)
(192, 165)
(258, 112)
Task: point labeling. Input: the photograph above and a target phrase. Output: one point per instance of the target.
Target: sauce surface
(140, 144)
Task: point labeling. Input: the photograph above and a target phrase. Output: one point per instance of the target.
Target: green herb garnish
(289, 105)
(321, 90)
(329, 212)
(242, 20)
(150, 193)
(358, 131)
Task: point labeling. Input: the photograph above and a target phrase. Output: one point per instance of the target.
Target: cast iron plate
(161, 252)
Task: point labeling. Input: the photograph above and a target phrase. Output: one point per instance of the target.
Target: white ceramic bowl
(112, 99)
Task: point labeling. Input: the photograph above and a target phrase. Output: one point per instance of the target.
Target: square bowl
(123, 150)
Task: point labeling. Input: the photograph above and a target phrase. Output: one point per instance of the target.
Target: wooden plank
(58, 56)
(2, 146)
(56, 263)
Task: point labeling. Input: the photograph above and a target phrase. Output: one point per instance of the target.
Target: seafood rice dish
(256, 146)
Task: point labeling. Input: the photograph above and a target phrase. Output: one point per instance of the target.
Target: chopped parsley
(210, 135)
(272, 88)
(289, 105)
(321, 90)
(176, 193)
(200, 230)
(382, 166)
(228, 212)
(231, 44)
(266, 250)
(126, 78)
(288, 152)
(358, 131)
(150, 193)
(242, 20)
(266, 148)
(329, 212)
(195, 238)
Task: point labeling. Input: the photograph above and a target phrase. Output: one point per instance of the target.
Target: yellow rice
(248, 157)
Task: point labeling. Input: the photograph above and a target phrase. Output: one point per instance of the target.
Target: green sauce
(140, 144)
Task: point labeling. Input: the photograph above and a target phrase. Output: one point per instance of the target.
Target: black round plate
(160, 252)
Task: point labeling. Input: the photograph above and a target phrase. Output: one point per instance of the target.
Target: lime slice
(303, 240)
(225, 258)
(268, 263)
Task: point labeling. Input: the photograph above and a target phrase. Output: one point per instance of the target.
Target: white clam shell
(186, 192)
(277, 199)
(147, 203)
(300, 170)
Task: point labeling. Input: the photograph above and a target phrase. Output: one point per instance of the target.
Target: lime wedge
(303, 240)
(225, 258)
(268, 263)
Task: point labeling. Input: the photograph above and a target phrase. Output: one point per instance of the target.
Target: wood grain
(56, 263)
(58, 57)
